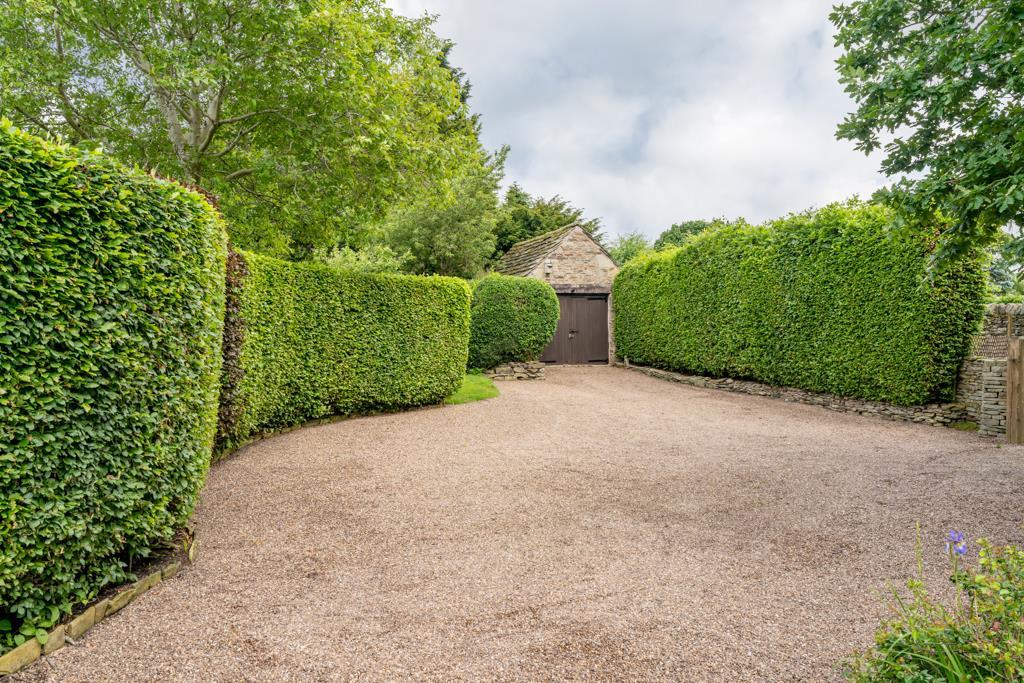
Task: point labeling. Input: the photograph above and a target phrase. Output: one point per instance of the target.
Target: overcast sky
(650, 112)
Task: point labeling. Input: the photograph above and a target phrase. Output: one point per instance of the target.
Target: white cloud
(651, 112)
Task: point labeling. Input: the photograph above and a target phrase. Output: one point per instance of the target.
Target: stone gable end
(578, 262)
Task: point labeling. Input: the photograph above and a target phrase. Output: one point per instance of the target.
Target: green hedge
(312, 341)
(830, 301)
(111, 304)
(513, 319)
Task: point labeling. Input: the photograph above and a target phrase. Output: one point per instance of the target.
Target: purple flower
(956, 543)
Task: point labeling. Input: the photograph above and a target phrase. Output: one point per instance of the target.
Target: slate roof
(525, 256)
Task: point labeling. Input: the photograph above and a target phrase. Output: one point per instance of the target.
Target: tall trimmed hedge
(111, 305)
(312, 341)
(513, 319)
(830, 300)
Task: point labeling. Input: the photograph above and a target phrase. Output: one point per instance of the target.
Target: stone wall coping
(1016, 309)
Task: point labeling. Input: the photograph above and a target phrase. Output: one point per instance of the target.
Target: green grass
(474, 388)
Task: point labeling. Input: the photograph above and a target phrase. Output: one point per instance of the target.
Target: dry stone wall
(940, 414)
(982, 390)
(982, 384)
(517, 371)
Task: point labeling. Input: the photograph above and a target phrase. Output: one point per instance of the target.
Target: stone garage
(581, 273)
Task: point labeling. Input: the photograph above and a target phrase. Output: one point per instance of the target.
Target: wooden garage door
(582, 335)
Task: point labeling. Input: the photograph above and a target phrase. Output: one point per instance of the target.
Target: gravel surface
(598, 525)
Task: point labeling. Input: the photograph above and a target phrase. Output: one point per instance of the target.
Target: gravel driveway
(599, 525)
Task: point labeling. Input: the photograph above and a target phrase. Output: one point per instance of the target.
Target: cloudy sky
(650, 112)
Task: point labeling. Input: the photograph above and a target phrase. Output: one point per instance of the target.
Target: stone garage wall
(578, 262)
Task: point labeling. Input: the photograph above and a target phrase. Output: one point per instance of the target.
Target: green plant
(676, 235)
(829, 300)
(307, 119)
(625, 248)
(111, 307)
(373, 258)
(938, 90)
(452, 234)
(523, 216)
(514, 319)
(314, 341)
(979, 638)
(474, 388)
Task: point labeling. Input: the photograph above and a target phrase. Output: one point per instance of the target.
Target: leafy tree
(1006, 267)
(373, 258)
(938, 85)
(307, 118)
(674, 236)
(625, 248)
(452, 234)
(523, 216)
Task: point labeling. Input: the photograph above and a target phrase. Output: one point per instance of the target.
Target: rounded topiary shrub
(513, 319)
(111, 306)
(306, 341)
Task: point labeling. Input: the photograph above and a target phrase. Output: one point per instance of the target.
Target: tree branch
(240, 173)
(243, 117)
(238, 138)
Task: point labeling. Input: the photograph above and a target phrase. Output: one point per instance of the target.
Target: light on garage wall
(548, 267)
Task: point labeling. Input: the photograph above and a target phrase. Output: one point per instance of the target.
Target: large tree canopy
(940, 85)
(524, 216)
(307, 118)
(680, 232)
(625, 248)
(451, 234)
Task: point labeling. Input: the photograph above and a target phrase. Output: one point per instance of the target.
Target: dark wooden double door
(582, 335)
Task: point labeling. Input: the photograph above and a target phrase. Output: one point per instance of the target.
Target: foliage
(939, 85)
(625, 248)
(451, 235)
(679, 232)
(111, 305)
(319, 342)
(374, 258)
(828, 300)
(307, 119)
(523, 217)
(513, 319)
(1006, 266)
(474, 388)
(979, 638)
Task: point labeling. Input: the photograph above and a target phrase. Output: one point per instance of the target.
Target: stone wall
(982, 391)
(982, 383)
(517, 371)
